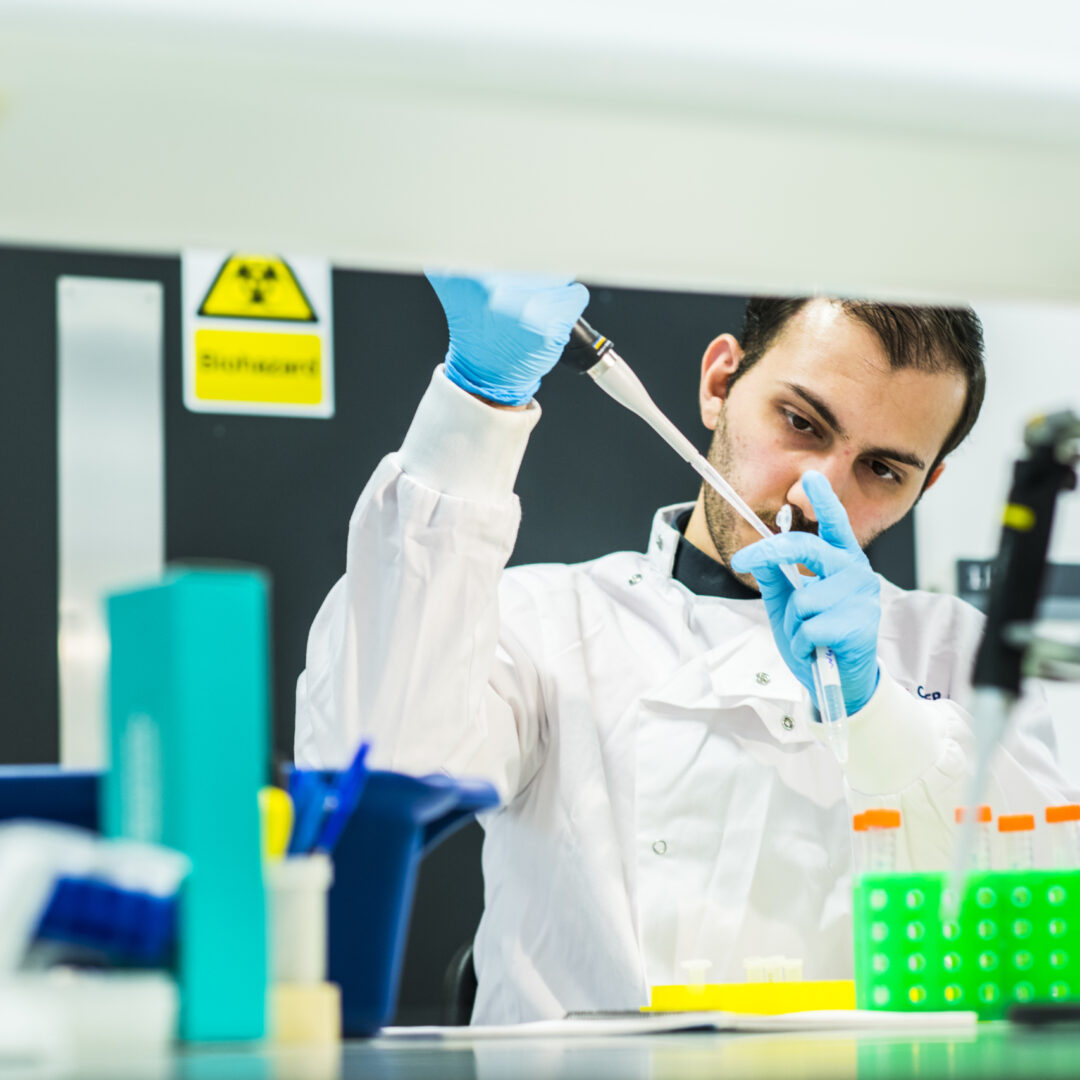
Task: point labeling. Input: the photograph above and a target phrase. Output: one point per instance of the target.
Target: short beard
(722, 519)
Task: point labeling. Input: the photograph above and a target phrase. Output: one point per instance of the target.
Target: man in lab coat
(647, 718)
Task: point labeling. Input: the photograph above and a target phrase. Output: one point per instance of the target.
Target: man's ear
(932, 479)
(721, 359)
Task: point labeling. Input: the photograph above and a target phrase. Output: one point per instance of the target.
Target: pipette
(1052, 444)
(592, 353)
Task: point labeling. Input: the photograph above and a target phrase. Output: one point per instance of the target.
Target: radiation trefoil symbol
(257, 287)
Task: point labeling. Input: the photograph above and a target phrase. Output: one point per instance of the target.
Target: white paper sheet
(659, 1023)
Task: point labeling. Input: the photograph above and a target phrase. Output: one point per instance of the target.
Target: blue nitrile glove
(506, 330)
(840, 609)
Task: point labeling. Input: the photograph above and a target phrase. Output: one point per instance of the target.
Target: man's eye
(799, 423)
(880, 469)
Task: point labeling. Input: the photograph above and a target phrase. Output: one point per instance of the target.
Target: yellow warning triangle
(257, 287)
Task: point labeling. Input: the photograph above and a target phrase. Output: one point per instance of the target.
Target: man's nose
(835, 469)
(797, 497)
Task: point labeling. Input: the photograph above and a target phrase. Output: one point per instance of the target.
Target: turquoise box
(188, 745)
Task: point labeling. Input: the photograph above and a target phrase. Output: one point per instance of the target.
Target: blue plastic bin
(398, 820)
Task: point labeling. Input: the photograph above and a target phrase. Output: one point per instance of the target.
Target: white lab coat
(665, 795)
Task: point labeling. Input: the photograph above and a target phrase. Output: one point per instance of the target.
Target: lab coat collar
(670, 550)
(664, 537)
(745, 670)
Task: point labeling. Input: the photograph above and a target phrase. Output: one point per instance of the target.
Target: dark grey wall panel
(28, 539)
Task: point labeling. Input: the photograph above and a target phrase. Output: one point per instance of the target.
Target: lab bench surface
(997, 1050)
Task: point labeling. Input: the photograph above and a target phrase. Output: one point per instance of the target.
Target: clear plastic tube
(754, 966)
(882, 830)
(695, 972)
(1063, 825)
(827, 686)
(1018, 840)
(984, 835)
(990, 711)
(858, 844)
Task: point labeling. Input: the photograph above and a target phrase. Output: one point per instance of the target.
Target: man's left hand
(840, 609)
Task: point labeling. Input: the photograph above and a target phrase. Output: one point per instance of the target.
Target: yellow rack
(767, 998)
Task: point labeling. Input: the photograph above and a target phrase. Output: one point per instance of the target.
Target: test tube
(984, 835)
(695, 972)
(793, 969)
(774, 968)
(858, 844)
(882, 829)
(754, 966)
(1064, 835)
(1018, 833)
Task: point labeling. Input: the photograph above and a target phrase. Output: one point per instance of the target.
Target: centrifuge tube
(1018, 837)
(882, 829)
(984, 835)
(858, 844)
(1064, 830)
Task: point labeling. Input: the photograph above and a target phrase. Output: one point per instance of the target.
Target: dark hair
(929, 338)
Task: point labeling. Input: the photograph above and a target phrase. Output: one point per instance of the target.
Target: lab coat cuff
(463, 447)
(893, 740)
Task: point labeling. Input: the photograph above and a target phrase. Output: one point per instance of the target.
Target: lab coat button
(660, 847)
(634, 580)
(788, 723)
(762, 678)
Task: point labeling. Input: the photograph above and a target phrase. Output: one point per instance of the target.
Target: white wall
(1033, 366)
(923, 149)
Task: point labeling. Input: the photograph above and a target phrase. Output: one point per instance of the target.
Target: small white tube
(774, 968)
(754, 966)
(694, 972)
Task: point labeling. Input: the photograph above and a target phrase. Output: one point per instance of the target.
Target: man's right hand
(506, 330)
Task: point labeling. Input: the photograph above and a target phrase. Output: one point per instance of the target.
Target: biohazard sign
(257, 287)
(257, 334)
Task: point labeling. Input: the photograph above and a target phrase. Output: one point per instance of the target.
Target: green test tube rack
(1016, 939)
